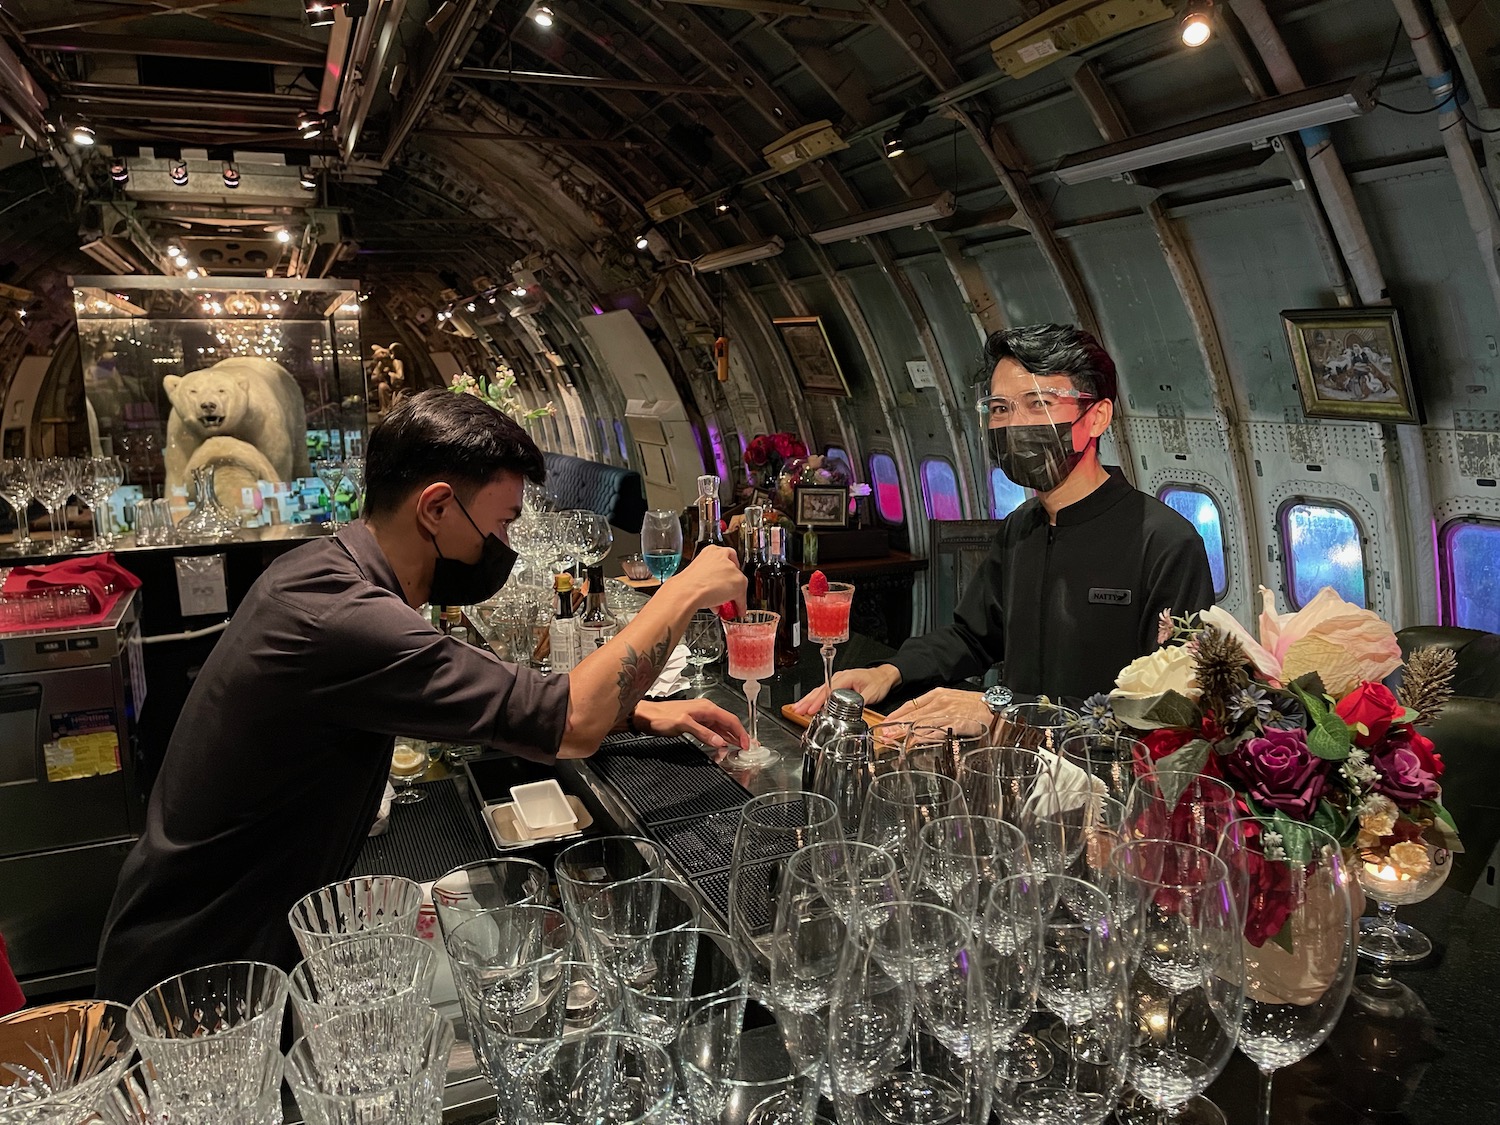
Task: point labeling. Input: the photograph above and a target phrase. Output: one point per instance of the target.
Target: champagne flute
(828, 621)
(661, 543)
(705, 645)
(751, 640)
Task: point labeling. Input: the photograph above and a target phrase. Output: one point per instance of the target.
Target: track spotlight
(283, 236)
(309, 124)
(320, 13)
(894, 145)
(895, 139)
(174, 251)
(518, 291)
(118, 172)
(543, 16)
(179, 173)
(195, 273)
(306, 178)
(180, 260)
(231, 175)
(82, 134)
(722, 207)
(642, 242)
(1196, 25)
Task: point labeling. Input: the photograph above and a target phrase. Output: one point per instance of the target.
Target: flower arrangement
(500, 393)
(1299, 723)
(767, 453)
(817, 471)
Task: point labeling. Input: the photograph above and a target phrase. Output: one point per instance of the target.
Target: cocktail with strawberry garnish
(751, 640)
(827, 616)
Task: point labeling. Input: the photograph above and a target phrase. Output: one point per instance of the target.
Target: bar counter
(1374, 1070)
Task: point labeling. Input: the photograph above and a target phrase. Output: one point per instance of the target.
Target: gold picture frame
(812, 357)
(822, 506)
(1351, 364)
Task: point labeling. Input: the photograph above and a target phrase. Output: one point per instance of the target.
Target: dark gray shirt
(277, 764)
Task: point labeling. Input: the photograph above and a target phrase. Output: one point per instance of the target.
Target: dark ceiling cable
(1390, 55)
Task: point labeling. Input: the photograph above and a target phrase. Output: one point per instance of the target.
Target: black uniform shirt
(1065, 607)
(277, 764)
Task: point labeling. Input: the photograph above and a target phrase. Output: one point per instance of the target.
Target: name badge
(1099, 596)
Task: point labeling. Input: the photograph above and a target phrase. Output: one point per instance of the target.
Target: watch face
(998, 698)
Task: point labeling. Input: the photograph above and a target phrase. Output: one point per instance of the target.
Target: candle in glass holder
(1385, 872)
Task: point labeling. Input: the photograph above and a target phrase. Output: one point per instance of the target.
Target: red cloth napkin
(11, 997)
(95, 573)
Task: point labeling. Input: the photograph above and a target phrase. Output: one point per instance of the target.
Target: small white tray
(542, 806)
(509, 834)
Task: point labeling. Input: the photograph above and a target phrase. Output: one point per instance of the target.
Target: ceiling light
(894, 145)
(118, 171)
(642, 242)
(1196, 28)
(738, 255)
(722, 207)
(1269, 117)
(910, 214)
(195, 273)
(173, 250)
(543, 16)
(518, 291)
(472, 307)
(309, 124)
(231, 175)
(82, 134)
(320, 13)
(180, 260)
(306, 178)
(283, 236)
(179, 173)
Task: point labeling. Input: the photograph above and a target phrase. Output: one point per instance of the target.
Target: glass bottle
(776, 584)
(563, 633)
(597, 624)
(709, 532)
(453, 623)
(753, 554)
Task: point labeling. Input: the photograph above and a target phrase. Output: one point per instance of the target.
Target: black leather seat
(1478, 653)
(617, 494)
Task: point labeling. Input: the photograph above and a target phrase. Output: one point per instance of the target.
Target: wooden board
(790, 715)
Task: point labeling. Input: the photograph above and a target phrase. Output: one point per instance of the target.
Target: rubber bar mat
(698, 846)
(667, 779)
(428, 839)
(757, 896)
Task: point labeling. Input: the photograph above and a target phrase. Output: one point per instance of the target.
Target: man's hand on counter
(711, 725)
(873, 684)
(943, 704)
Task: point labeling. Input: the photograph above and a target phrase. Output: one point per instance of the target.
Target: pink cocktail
(828, 621)
(751, 641)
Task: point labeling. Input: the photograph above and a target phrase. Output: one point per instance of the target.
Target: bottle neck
(596, 604)
(708, 519)
(776, 545)
(565, 605)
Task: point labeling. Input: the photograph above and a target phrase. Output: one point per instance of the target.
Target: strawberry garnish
(817, 585)
(729, 611)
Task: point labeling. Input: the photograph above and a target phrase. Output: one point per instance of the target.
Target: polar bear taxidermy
(243, 415)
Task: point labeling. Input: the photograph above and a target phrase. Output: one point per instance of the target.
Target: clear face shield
(1030, 434)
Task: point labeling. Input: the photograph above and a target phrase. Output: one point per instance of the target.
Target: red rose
(758, 452)
(1160, 743)
(1373, 707)
(1423, 748)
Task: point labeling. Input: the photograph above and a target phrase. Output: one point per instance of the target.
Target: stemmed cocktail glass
(751, 639)
(330, 471)
(828, 618)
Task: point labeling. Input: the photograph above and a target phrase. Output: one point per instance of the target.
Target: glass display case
(257, 377)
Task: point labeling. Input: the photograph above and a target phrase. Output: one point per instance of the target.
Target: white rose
(1166, 669)
(1377, 814)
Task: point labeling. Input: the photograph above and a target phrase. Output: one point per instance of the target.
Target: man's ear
(1100, 417)
(432, 502)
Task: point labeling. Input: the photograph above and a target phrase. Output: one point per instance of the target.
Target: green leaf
(1309, 683)
(1283, 937)
(1296, 840)
(1329, 819)
(1155, 712)
(1175, 771)
(1325, 744)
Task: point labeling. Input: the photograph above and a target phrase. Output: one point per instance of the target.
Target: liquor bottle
(563, 633)
(709, 532)
(453, 623)
(597, 624)
(689, 533)
(776, 582)
(753, 555)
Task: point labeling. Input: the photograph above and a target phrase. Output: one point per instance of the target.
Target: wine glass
(961, 859)
(1038, 726)
(1293, 898)
(999, 781)
(1111, 758)
(1187, 984)
(751, 640)
(1190, 808)
(586, 535)
(19, 490)
(53, 481)
(599, 1078)
(1384, 940)
(733, 1073)
(828, 621)
(705, 645)
(938, 747)
(330, 471)
(898, 805)
(772, 827)
(407, 764)
(661, 543)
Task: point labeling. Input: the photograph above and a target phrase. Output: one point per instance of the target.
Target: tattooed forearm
(638, 671)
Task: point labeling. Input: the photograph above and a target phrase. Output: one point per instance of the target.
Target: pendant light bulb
(1197, 27)
(543, 17)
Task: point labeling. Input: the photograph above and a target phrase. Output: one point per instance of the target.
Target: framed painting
(812, 355)
(822, 507)
(1351, 363)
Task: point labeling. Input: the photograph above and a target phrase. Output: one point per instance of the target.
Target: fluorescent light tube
(1270, 117)
(908, 214)
(738, 255)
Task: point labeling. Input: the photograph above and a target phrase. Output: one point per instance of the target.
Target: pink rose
(1279, 772)
(1404, 774)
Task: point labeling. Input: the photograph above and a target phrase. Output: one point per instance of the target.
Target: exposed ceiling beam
(91, 42)
(776, 8)
(527, 138)
(545, 78)
(143, 12)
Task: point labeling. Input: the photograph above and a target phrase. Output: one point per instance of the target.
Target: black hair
(1055, 349)
(438, 435)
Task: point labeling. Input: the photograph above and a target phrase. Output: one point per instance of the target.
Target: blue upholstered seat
(617, 494)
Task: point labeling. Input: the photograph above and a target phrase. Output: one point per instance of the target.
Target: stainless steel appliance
(69, 804)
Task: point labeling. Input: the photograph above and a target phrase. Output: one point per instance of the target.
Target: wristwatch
(998, 698)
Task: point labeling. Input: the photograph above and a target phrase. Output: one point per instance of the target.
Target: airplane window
(1321, 545)
(940, 490)
(1005, 494)
(835, 454)
(1202, 511)
(620, 437)
(887, 488)
(1471, 564)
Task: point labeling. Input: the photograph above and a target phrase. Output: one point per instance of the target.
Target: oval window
(1201, 510)
(1321, 546)
(887, 487)
(1471, 574)
(940, 490)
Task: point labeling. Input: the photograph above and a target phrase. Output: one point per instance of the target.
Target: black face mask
(1038, 457)
(461, 583)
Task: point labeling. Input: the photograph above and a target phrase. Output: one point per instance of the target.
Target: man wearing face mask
(1078, 576)
(277, 764)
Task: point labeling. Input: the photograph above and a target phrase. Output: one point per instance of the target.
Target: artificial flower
(1411, 859)
(1270, 899)
(1166, 669)
(1279, 772)
(1404, 777)
(1377, 814)
(1421, 746)
(1372, 707)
